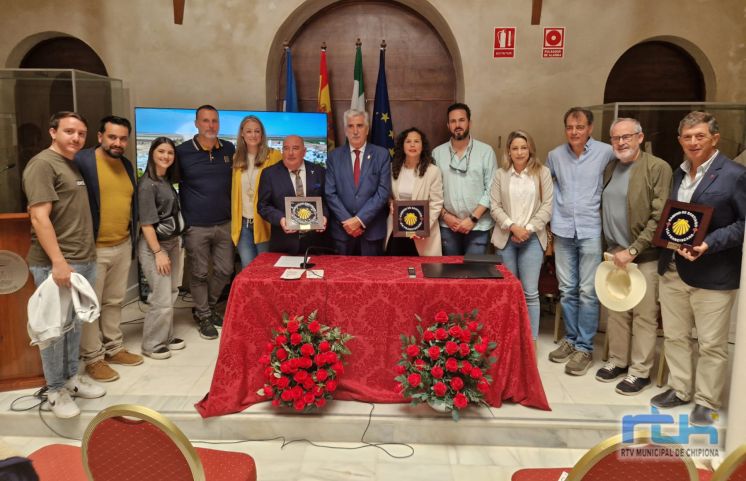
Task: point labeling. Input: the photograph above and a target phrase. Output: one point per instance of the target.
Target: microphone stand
(307, 265)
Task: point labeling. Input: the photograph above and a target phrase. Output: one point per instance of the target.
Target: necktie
(298, 183)
(356, 168)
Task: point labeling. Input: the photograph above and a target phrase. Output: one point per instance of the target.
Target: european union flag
(291, 97)
(382, 130)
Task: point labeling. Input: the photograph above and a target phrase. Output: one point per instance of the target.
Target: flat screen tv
(178, 124)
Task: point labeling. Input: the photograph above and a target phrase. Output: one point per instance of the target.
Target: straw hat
(619, 289)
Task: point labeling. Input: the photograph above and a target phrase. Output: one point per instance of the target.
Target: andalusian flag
(290, 104)
(382, 130)
(325, 101)
(358, 91)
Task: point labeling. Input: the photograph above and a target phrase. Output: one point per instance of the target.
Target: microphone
(7, 168)
(307, 265)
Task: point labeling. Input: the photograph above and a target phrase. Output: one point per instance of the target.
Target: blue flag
(382, 129)
(290, 104)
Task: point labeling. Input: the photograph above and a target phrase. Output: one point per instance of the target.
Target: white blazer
(428, 187)
(49, 308)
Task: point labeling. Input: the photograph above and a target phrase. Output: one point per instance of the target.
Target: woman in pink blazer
(521, 204)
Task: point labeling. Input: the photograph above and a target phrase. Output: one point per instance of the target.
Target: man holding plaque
(297, 186)
(357, 190)
(636, 185)
(698, 285)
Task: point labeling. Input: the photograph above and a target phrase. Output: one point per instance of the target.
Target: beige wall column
(736, 433)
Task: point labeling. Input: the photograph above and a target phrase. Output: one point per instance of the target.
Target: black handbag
(172, 225)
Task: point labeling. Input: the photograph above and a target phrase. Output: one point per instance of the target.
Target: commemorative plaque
(411, 218)
(304, 213)
(682, 225)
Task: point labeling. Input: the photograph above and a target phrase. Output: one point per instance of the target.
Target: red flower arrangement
(447, 366)
(303, 363)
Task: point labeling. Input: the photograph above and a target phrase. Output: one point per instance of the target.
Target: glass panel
(28, 97)
(660, 122)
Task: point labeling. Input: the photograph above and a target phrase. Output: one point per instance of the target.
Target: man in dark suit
(358, 186)
(698, 286)
(293, 177)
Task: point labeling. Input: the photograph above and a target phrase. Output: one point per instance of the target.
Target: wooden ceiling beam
(179, 11)
(536, 12)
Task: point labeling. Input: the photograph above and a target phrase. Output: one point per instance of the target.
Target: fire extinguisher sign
(504, 42)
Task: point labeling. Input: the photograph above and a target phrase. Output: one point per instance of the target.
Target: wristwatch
(473, 218)
(633, 251)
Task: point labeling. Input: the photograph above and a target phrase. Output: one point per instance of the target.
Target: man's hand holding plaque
(683, 227)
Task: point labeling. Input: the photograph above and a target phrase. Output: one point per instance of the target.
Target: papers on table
(315, 274)
(293, 274)
(290, 261)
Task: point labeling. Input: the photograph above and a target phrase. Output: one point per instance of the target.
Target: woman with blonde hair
(249, 231)
(521, 204)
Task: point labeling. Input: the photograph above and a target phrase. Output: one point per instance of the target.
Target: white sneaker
(78, 386)
(62, 404)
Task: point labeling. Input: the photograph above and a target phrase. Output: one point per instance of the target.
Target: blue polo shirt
(205, 185)
(578, 183)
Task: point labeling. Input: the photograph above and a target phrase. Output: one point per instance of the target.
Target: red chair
(134, 443)
(733, 467)
(607, 462)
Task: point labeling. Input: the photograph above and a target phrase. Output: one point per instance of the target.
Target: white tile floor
(175, 384)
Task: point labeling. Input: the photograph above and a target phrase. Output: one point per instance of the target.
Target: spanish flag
(325, 102)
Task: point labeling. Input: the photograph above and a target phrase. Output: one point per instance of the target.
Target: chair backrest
(733, 467)
(129, 442)
(614, 460)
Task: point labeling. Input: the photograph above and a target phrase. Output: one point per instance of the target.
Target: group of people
(232, 198)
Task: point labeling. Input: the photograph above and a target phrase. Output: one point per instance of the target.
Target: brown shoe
(101, 372)
(125, 358)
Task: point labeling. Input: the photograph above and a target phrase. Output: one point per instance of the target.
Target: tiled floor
(174, 385)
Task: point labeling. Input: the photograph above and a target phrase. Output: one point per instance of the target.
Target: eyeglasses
(624, 138)
(457, 166)
(697, 137)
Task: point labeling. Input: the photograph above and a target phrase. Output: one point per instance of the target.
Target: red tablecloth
(373, 299)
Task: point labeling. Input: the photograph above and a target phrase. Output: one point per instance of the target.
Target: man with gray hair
(358, 185)
(636, 185)
(698, 285)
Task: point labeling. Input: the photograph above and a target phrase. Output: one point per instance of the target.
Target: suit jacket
(274, 185)
(369, 201)
(500, 205)
(86, 163)
(428, 187)
(723, 188)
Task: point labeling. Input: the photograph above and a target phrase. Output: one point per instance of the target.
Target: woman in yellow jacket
(249, 231)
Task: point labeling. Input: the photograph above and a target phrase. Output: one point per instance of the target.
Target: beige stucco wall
(219, 55)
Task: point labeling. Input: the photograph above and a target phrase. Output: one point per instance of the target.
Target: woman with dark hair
(414, 176)
(521, 204)
(249, 231)
(159, 249)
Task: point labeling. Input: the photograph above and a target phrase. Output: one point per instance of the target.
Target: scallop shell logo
(681, 227)
(304, 213)
(410, 218)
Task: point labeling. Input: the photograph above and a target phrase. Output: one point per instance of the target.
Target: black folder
(461, 271)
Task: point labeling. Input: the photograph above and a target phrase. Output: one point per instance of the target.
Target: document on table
(290, 261)
(315, 274)
(292, 274)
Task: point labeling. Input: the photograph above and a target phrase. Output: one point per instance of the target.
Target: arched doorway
(657, 71)
(420, 68)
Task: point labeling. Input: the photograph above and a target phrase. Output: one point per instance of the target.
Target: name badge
(81, 183)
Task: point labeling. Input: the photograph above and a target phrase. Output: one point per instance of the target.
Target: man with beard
(110, 180)
(636, 185)
(468, 167)
(577, 168)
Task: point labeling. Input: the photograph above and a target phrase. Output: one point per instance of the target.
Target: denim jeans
(457, 244)
(59, 360)
(576, 261)
(247, 249)
(524, 260)
(158, 325)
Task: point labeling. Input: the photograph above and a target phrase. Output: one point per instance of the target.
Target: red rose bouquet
(447, 366)
(303, 363)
